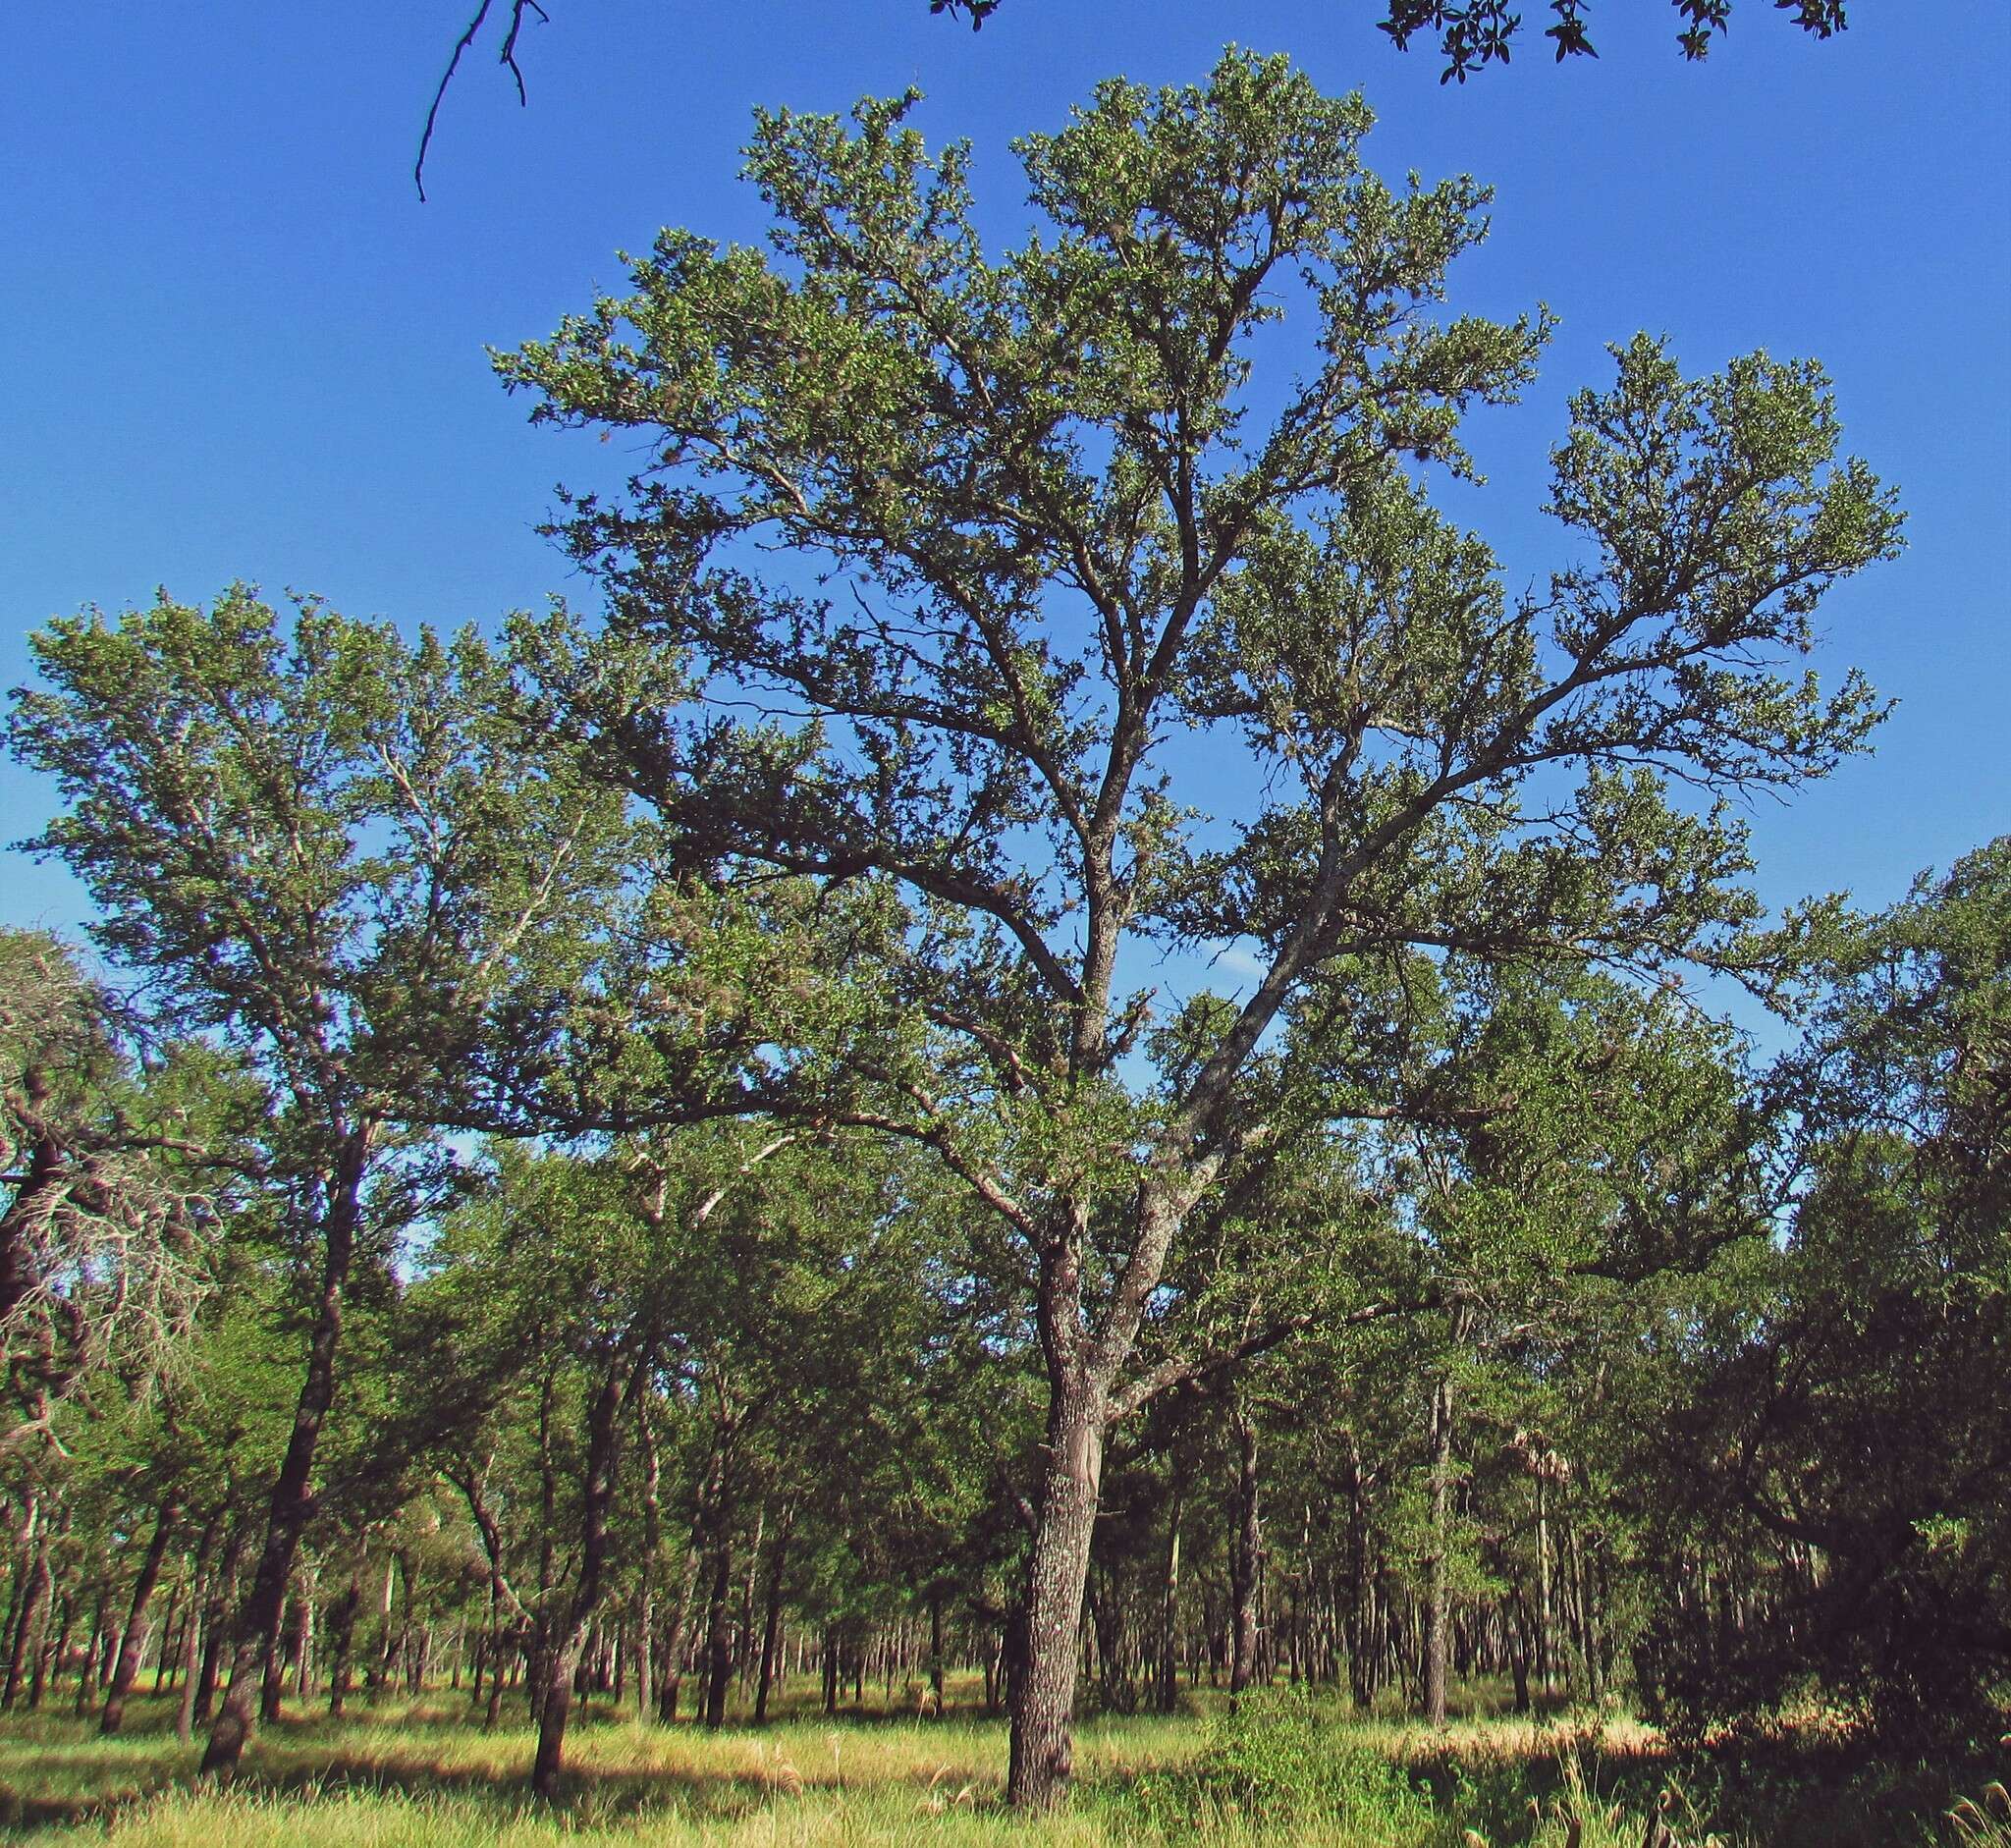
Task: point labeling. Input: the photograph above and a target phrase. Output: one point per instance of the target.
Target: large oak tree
(1042, 592)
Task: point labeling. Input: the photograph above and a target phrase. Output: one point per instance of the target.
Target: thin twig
(507, 58)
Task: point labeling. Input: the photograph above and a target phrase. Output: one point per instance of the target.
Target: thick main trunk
(135, 1637)
(1043, 1688)
(292, 1496)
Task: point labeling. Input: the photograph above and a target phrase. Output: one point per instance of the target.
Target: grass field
(423, 1774)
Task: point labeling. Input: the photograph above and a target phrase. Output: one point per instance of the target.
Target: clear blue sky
(237, 346)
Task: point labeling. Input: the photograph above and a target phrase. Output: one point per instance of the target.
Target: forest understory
(1294, 1766)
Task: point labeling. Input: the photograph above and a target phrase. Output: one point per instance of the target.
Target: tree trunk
(652, 1548)
(1245, 1554)
(1042, 1756)
(134, 1638)
(1543, 1626)
(935, 1651)
(341, 1635)
(28, 1624)
(1361, 1588)
(389, 1632)
(770, 1626)
(303, 1633)
(561, 1656)
(743, 1630)
(1167, 1693)
(292, 1499)
(1438, 1589)
(49, 1658)
(718, 1656)
(216, 1620)
(163, 1661)
(674, 1636)
(91, 1653)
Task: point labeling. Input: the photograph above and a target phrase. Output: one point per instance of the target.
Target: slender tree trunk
(303, 1633)
(216, 1619)
(1438, 1591)
(1545, 1618)
(34, 1596)
(273, 1676)
(652, 1550)
(536, 1679)
(287, 1513)
(49, 1658)
(743, 1630)
(674, 1636)
(718, 1656)
(1169, 1690)
(134, 1638)
(342, 1636)
(771, 1627)
(89, 1665)
(1245, 1554)
(164, 1661)
(563, 1657)
(389, 1632)
(936, 1650)
(1042, 1756)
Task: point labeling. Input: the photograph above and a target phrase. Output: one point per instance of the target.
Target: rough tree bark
(1042, 1754)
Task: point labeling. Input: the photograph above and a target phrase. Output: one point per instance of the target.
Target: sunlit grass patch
(1293, 1768)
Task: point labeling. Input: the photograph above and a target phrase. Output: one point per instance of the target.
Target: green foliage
(118, 1171)
(1854, 1437)
(1277, 1762)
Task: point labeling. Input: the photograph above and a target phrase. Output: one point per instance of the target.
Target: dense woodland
(722, 1140)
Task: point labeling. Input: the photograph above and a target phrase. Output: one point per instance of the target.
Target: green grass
(423, 1774)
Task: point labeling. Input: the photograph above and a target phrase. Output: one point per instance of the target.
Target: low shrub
(1275, 1764)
